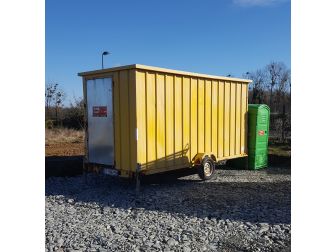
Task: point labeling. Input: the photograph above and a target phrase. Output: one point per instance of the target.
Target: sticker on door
(99, 111)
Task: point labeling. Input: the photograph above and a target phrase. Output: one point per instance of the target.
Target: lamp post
(247, 75)
(104, 53)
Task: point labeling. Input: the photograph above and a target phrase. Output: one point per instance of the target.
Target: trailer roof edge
(162, 70)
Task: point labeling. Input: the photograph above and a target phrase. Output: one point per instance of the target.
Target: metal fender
(200, 156)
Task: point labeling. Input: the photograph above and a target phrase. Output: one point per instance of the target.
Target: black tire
(206, 170)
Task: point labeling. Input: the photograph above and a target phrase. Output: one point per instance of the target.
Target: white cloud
(257, 2)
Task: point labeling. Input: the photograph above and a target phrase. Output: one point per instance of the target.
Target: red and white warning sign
(261, 132)
(99, 111)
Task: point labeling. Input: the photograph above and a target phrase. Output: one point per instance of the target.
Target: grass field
(279, 149)
(64, 142)
(62, 135)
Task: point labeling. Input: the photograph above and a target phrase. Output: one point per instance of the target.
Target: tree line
(270, 85)
(57, 115)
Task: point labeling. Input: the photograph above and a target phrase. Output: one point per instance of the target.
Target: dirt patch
(64, 142)
(64, 149)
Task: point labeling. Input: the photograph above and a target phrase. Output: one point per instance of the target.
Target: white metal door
(100, 121)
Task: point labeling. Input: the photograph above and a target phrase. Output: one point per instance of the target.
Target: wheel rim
(207, 169)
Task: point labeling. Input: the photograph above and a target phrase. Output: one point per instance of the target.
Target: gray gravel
(236, 211)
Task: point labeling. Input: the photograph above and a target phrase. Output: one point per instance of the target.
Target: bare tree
(59, 99)
(283, 89)
(276, 75)
(50, 92)
(54, 98)
(76, 111)
(272, 85)
(258, 85)
(279, 81)
(285, 81)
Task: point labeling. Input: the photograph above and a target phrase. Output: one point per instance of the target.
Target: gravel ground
(239, 210)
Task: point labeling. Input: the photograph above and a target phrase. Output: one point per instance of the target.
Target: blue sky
(212, 37)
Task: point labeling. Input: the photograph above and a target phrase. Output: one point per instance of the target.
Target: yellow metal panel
(160, 117)
(141, 117)
(193, 126)
(178, 119)
(231, 157)
(227, 119)
(177, 116)
(186, 117)
(151, 117)
(244, 119)
(214, 118)
(208, 107)
(232, 118)
(220, 119)
(238, 118)
(201, 112)
(169, 119)
(157, 169)
(124, 120)
(132, 120)
(116, 103)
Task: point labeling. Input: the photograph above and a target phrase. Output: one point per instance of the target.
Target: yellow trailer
(143, 119)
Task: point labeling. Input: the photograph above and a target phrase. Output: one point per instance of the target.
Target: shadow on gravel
(241, 201)
(60, 166)
(67, 166)
(277, 160)
(278, 170)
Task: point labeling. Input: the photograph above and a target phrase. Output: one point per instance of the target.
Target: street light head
(103, 54)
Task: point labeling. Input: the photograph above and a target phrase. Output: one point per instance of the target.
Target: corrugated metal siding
(141, 116)
(220, 128)
(179, 116)
(176, 116)
(132, 121)
(169, 104)
(125, 121)
(193, 117)
(226, 129)
(160, 111)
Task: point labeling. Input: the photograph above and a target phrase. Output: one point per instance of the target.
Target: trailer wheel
(207, 169)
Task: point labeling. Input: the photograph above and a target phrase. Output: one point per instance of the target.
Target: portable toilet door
(258, 120)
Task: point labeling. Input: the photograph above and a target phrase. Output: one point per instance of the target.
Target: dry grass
(279, 149)
(53, 136)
